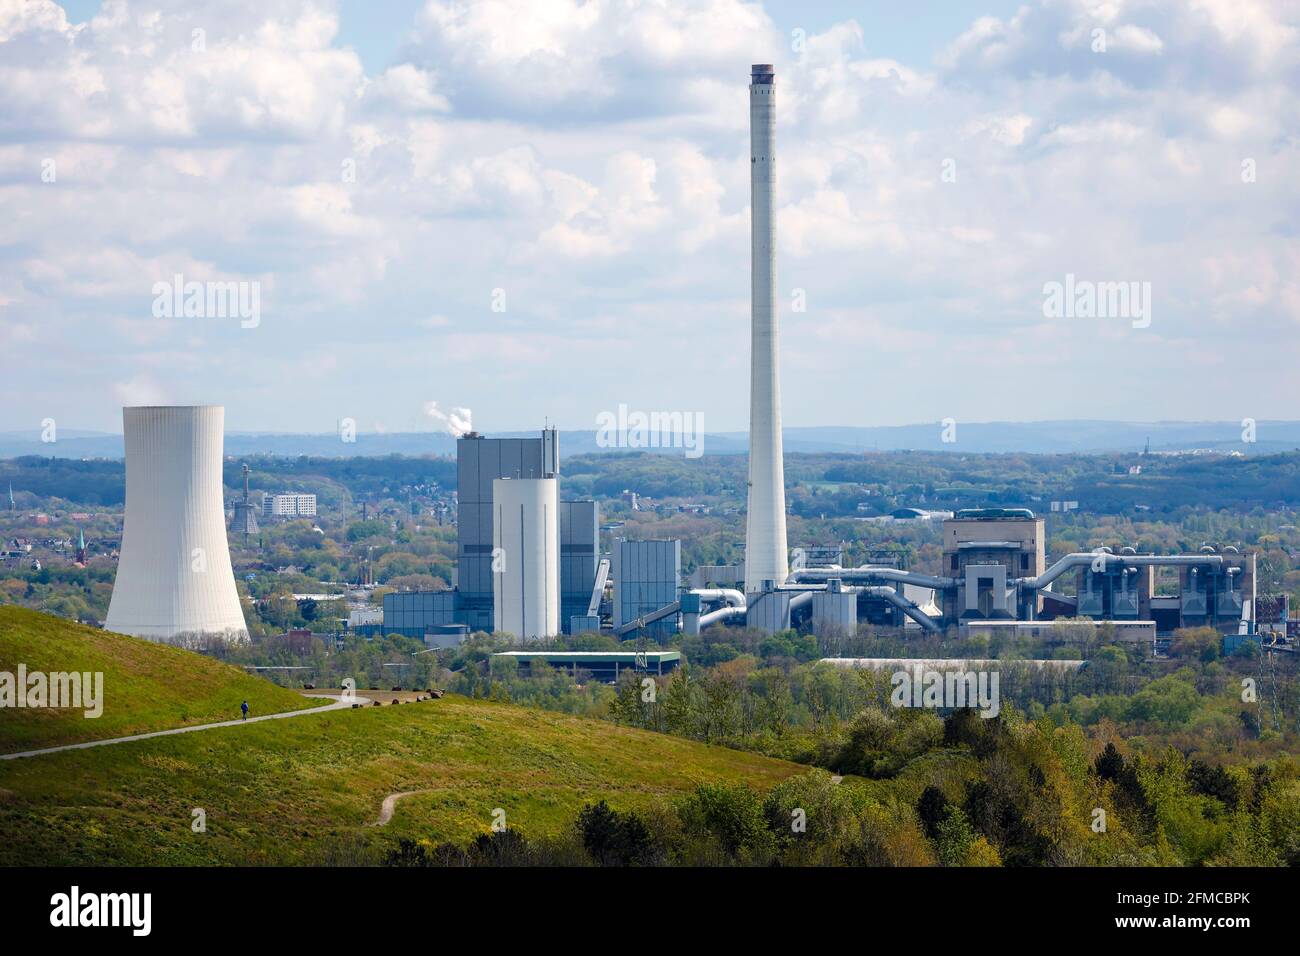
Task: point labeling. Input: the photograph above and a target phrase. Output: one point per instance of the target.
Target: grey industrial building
(647, 575)
(479, 462)
(469, 606)
(417, 613)
(579, 563)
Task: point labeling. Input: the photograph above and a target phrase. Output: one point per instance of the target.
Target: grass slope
(147, 686)
(308, 790)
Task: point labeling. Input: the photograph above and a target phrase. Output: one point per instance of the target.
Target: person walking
(244, 708)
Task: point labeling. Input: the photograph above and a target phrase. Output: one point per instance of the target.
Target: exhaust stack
(765, 539)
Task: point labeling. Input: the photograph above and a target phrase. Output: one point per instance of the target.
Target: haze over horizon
(387, 176)
(1087, 437)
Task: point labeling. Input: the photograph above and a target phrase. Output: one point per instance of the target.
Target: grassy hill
(309, 789)
(147, 686)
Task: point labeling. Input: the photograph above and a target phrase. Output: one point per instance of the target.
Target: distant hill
(1028, 437)
(147, 686)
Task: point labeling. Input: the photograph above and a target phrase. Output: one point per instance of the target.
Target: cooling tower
(526, 557)
(174, 581)
(765, 541)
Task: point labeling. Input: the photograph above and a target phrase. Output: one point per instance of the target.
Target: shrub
(615, 839)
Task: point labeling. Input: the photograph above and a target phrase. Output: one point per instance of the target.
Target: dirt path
(390, 805)
(339, 704)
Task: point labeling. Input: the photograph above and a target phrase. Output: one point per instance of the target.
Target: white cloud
(586, 58)
(408, 88)
(140, 390)
(591, 159)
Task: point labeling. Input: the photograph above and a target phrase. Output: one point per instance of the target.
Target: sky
(539, 211)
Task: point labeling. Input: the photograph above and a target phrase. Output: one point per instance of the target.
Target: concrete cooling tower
(526, 557)
(174, 580)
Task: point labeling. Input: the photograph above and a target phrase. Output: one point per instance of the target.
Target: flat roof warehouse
(602, 665)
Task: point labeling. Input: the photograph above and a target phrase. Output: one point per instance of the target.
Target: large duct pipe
(727, 595)
(868, 573)
(765, 537)
(174, 581)
(1080, 558)
(906, 605)
(722, 614)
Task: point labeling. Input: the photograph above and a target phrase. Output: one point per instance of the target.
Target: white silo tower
(526, 557)
(174, 580)
(765, 538)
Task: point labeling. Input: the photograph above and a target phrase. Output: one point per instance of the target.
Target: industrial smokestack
(174, 581)
(765, 542)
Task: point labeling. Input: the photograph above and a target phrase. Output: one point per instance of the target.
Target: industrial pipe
(907, 606)
(722, 614)
(1080, 558)
(800, 599)
(730, 595)
(867, 573)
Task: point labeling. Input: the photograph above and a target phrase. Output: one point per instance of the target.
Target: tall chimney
(765, 542)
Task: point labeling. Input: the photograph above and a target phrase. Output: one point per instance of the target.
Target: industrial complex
(532, 565)
(995, 564)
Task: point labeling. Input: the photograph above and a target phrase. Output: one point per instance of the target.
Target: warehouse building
(605, 666)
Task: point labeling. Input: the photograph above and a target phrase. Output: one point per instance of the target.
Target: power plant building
(479, 463)
(174, 579)
(579, 560)
(526, 557)
(986, 550)
(646, 578)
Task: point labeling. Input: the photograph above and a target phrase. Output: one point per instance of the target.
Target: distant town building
(288, 506)
(365, 615)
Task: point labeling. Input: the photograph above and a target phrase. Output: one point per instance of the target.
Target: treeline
(359, 478)
(817, 483)
(95, 482)
(378, 663)
(102, 482)
(805, 712)
(967, 792)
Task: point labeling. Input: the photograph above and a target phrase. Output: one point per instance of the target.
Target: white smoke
(457, 421)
